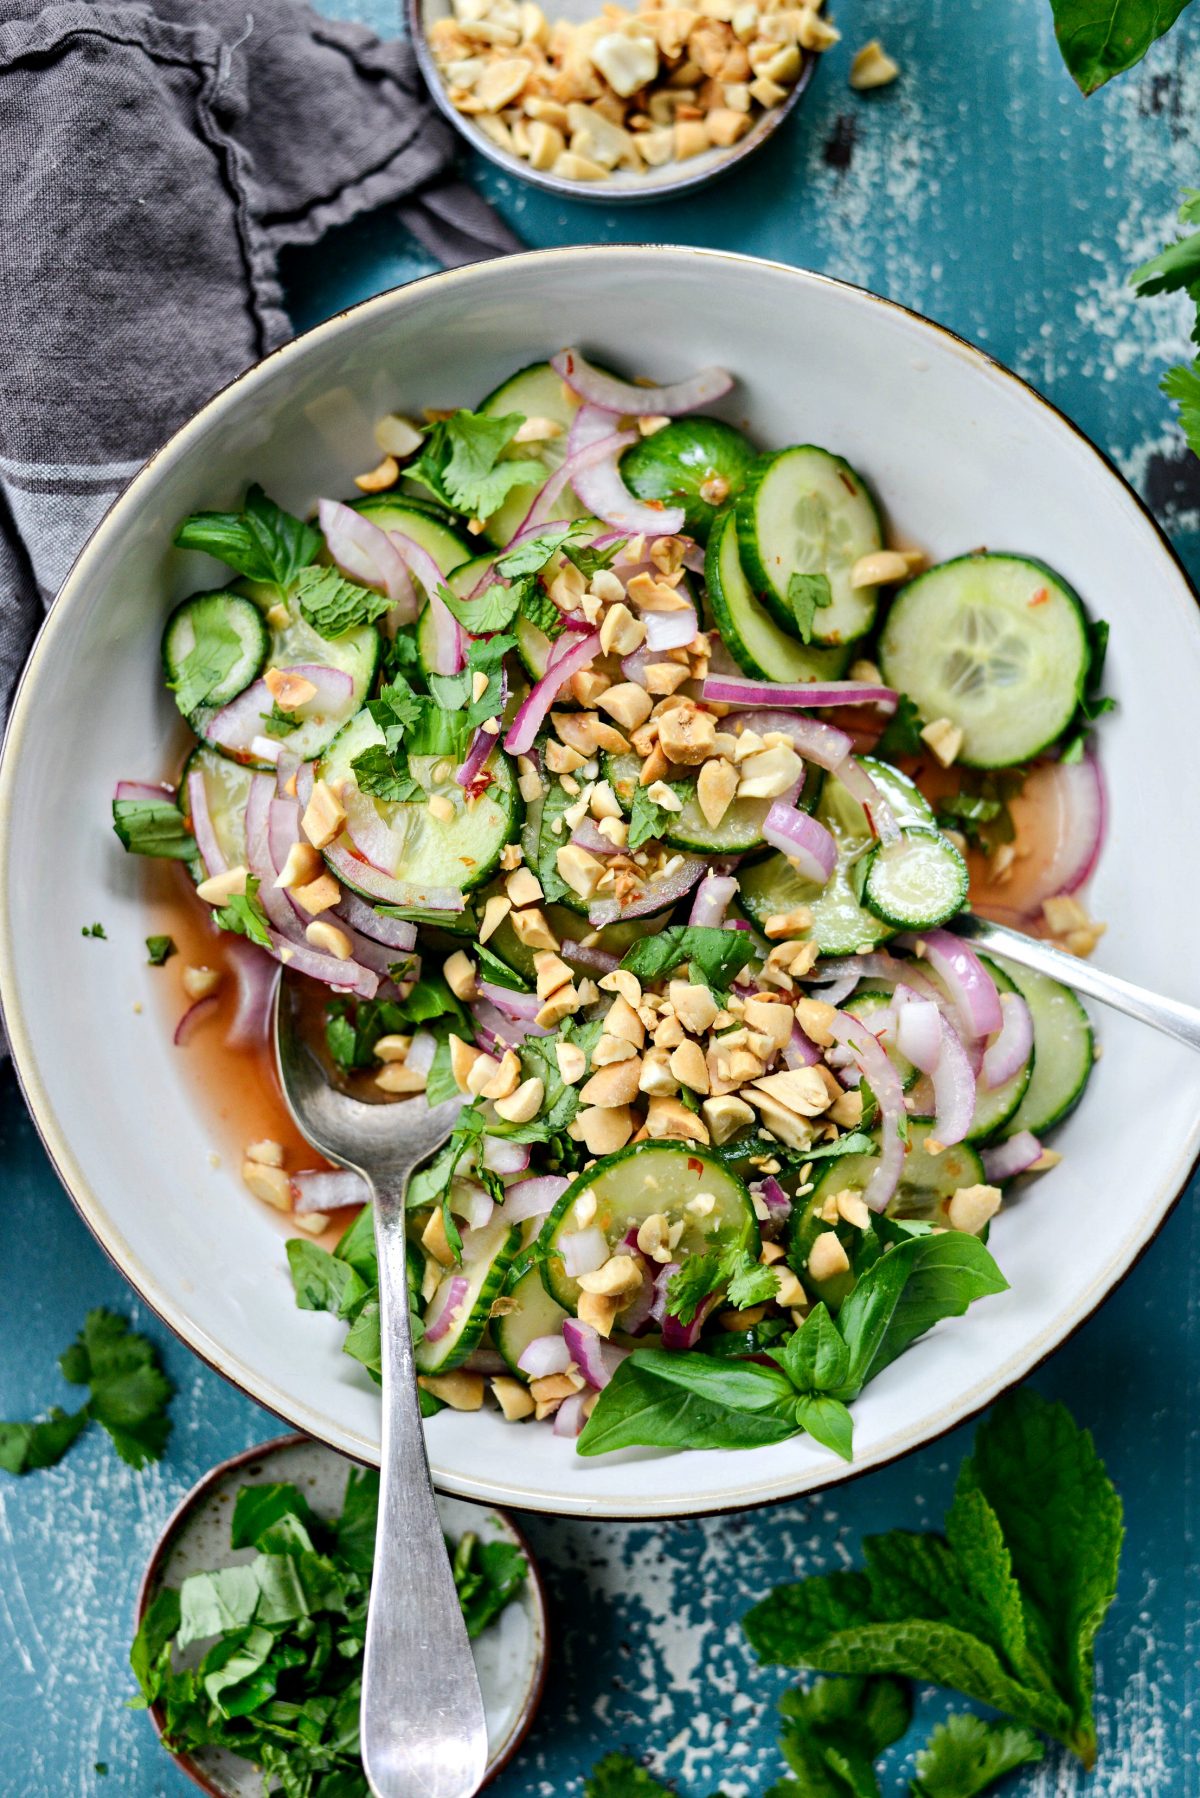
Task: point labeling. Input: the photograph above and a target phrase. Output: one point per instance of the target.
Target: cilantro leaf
(835, 1730)
(160, 949)
(25, 1447)
(244, 916)
(262, 541)
(649, 819)
(966, 1755)
(733, 1271)
(1103, 38)
(1182, 384)
(154, 827)
(455, 693)
(620, 1776)
(487, 1577)
(590, 560)
(538, 1055)
(460, 462)
(715, 957)
(807, 595)
(901, 735)
(96, 930)
(333, 605)
(128, 1390)
(539, 610)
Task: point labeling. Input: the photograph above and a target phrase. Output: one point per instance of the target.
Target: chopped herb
(648, 818)
(277, 723)
(243, 914)
(456, 691)
(208, 663)
(495, 608)
(413, 724)
(589, 560)
(733, 1271)
(95, 930)
(981, 809)
(25, 1447)
(539, 610)
(901, 735)
(620, 1776)
(154, 827)
(966, 1755)
(498, 972)
(128, 1394)
(262, 542)
(460, 463)
(808, 594)
(487, 1577)
(160, 949)
(332, 605)
(715, 957)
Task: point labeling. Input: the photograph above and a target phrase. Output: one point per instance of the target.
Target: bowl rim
(489, 1490)
(656, 187)
(196, 1494)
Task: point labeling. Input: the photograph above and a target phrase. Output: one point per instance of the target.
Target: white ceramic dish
(510, 1656)
(962, 453)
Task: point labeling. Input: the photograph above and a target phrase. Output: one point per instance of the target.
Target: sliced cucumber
(227, 788)
(746, 628)
(998, 644)
(995, 1105)
(1064, 1052)
(805, 511)
(534, 392)
(917, 882)
(427, 526)
(422, 851)
(236, 631)
(536, 1314)
(636, 1183)
(486, 1257)
(840, 924)
(738, 831)
(675, 464)
(865, 1004)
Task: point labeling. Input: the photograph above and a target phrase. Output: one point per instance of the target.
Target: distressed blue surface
(983, 191)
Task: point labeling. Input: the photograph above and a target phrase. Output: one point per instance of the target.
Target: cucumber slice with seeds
(917, 882)
(806, 511)
(1064, 1052)
(226, 788)
(427, 526)
(676, 464)
(241, 627)
(536, 1314)
(534, 392)
(755, 641)
(998, 644)
(636, 1183)
(486, 1257)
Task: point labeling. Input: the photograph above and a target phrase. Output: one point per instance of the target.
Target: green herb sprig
(127, 1395)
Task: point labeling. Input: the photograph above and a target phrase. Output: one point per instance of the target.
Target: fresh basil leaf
(660, 1400)
(243, 914)
(1103, 38)
(717, 957)
(154, 827)
(807, 595)
(333, 605)
(211, 1603)
(262, 541)
(460, 463)
(159, 950)
(966, 1755)
(647, 818)
(359, 1519)
(909, 1289)
(321, 1281)
(26, 1447)
(828, 1422)
(498, 972)
(128, 1390)
(815, 1358)
(440, 1083)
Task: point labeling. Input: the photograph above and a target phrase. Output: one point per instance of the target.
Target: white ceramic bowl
(962, 453)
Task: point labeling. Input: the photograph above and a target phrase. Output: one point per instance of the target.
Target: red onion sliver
(365, 554)
(624, 397)
(713, 897)
(953, 1088)
(266, 749)
(656, 897)
(1008, 1159)
(589, 425)
(256, 973)
(533, 1198)
(393, 933)
(774, 1197)
(448, 654)
(601, 489)
(193, 1017)
(447, 1302)
(358, 871)
(237, 725)
(503, 1157)
(677, 1335)
(543, 1356)
(588, 835)
(421, 1052)
(729, 689)
(885, 1084)
(662, 1280)
(801, 1051)
(804, 840)
(316, 1190)
(482, 744)
(521, 1007)
(1010, 1051)
(562, 478)
(532, 714)
(211, 853)
(919, 1032)
(469, 1201)
(569, 1418)
(126, 790)
(971, 987)
(596, 1359)
(586, 955)
(670, 630)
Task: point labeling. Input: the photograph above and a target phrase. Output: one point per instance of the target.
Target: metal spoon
(422, 1726)
(1170, 1016)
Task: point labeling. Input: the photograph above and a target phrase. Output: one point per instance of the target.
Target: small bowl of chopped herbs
(252, 1613)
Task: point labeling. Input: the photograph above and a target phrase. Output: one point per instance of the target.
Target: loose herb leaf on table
(128, 1395)
(966, 1756)
(1103, 38)
(1177, 270)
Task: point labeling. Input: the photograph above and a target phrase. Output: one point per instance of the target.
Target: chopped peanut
(872, 67)
(513, 1397)
(323, 816)
(461, 1390)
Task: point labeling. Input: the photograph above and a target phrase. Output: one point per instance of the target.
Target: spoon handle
(1171, 1016)
(423, 1730)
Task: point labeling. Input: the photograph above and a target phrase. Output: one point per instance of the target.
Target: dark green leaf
(828, 1422)
(495, 608)
(901, 735)
(648, 819)
(128, 1389)
(715, 957)
(966, 1755)
(1182, 384)
(243, 914)
(158, 1626)
(807, 595)
(262, 542)
(815, 1358)
(835, 1730)
(785, 1627)
(159, 949)
(589, 560)
(461, 466)
(907, 1291)
(258, 1510)
(154, 827)
(359, 1519)
(210, 1603)
(498, 972)
(658, 1399)
(96, 930)
(322, 1282)
(332, 605)
(1103, 38)
(25, 1447)
(487, 1577)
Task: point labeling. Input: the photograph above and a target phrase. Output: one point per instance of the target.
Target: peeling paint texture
(982, 190)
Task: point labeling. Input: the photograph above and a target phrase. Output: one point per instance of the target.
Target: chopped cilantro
(128, 1394)
(332, 605)
(214, 654)
(277, 723)
(160, 949)
(243, 914)
(807, 595)
(715, 957)
(589, 560)
(487, 1577)
(262, 542)
(733, 1271)
(495, 608)
(460, 463)
(95, 930)
(901, 735)
(980, 810)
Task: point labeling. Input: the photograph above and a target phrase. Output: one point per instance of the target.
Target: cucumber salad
(617, 774)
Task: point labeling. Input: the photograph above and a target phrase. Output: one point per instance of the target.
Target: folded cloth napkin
(157, 157)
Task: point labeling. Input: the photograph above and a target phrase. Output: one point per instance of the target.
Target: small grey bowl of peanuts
(618, 104)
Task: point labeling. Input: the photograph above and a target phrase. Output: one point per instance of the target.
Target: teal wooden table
(982, 190)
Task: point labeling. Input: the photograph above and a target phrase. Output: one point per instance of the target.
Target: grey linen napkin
(157, 158)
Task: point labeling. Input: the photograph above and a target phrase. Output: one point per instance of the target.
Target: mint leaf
(154, 827)
(128, 1390)
(208, 663)
(619, 1776)
(1103, 38)
(159, 950)
(966, 1755)
(332, 605)
(784, 1628)
(25, 1447)
(648, 819)
(658, 1399)
(321, 1281)
(807, 595)
(243, 914)
(532, 556)
(262, 541)
(716, 957)
(540, 611)
(460, 463)
(95, 930)
(495, 608)
(385, 777)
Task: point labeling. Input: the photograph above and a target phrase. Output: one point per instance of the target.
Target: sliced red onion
(970, 986)
(583, 1251)
(953, 1088)
(317, 1190)
(1070, 802)
(693, 556)
(662, 1279)
(608, 448)
(266, 749)
(126, 790)
(589, 425)
(801, 1051)
(495, 1032)
(393, 933)
(1008, 1159)
(655, 897)
(859, 784)
(833, 992)
(448, 653)
(521, 1007)
(469, 1201)
(543, 1356)
(366, 554)
(730, 689)
(677, 1335)
(641, 1311)
(211, 853)
(587, 835)
(713, 897)
(626, 398)
(596, 1359)
(774, 1197)
(603, 492)
(885, 1084)
(287, 768)
(257, 974)
(1009, 1052)
(802, 839)
(919, 1033)
(532, 714)
(588, 956)
(503, 1157)
(260, 804)
(831, 749)
(670, 630)
(482, 744)
(236, 725)
(569, 1419)
(343, 976)
(193, 1017)
(447, 1301)
(533, 1198)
